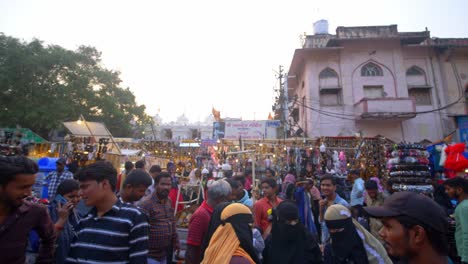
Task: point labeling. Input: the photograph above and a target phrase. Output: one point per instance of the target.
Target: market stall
(89, 141)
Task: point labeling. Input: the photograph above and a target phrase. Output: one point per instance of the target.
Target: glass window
(371, 69)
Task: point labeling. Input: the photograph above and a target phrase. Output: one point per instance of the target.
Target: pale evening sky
(187, 56)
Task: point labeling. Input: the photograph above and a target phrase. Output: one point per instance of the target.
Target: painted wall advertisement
(263, 129)
(463, 128)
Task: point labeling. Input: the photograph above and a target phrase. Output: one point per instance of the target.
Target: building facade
(376, 81)
(181, 129)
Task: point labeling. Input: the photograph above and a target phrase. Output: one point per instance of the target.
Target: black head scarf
(214, 223)
(347, 246)
(288, 242)
(240, 223)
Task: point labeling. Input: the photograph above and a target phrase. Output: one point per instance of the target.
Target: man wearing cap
(414, 228)
(57, 177)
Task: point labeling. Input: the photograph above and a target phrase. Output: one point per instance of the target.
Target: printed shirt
(325, 233)
(261, 208)
(15, 229)
(198, 224)
(119, 236)
(56, 180)
(162, 226)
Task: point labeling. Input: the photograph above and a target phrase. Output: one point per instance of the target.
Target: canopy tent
(131, 152)
(92, 129)
(27, 135)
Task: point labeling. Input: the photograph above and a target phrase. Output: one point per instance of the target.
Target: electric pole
(283, 101)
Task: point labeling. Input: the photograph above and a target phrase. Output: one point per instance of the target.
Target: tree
(42, 86)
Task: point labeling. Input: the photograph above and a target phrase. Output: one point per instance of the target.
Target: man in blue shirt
(357, 193)
(328, 189)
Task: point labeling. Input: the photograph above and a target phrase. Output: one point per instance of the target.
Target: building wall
(347, 62)
(179, 132)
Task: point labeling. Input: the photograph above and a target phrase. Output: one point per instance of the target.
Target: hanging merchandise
(409, 169)
(456, 157)
(323, 148)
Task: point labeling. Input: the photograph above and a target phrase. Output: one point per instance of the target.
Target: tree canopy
(43, 85)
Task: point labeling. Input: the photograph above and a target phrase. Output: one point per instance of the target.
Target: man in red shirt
(269, 201)
(218, 193)
(171, 169)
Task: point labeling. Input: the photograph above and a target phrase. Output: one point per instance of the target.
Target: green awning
(27, 135)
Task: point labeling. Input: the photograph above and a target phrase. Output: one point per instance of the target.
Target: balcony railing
(396, 109)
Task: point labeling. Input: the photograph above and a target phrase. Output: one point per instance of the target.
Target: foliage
(42, 86)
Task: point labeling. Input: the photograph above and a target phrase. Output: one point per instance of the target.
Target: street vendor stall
(89, 141)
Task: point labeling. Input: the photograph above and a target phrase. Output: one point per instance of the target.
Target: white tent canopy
(130, 152)
(92, 129)
(87, 129)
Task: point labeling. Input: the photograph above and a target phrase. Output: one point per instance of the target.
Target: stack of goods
(183, 217)
(409, 170)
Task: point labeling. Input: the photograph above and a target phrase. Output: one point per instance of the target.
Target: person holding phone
(63, 214)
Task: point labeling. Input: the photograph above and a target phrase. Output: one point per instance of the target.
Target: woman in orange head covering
(232, 242)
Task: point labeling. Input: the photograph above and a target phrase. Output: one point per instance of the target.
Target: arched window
(415, 71)
(328, 73)
(328, 78)
(330, 90)
(415, 76)
(417, 86)
(371, 69)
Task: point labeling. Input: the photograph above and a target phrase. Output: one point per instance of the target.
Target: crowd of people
(98, 216)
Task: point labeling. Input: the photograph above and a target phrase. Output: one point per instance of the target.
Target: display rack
(409, 169)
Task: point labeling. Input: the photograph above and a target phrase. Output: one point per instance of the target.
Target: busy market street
(149, 133)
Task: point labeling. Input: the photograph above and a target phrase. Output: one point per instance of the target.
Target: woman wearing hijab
(350, 242)
(232, 242)
(288, 186)
(290, 242)
(303, 202)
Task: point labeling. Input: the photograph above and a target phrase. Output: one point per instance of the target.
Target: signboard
(245, 129)
(262, 129)
(463, 128)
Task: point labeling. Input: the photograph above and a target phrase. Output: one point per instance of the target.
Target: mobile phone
(60, 199)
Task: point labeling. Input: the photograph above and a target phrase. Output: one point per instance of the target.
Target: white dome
(182, 120)
(157, 119)
(209, 120)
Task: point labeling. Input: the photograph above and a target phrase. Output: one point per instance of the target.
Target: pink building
(375, 81)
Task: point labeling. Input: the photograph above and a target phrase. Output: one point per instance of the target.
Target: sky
(186, 56)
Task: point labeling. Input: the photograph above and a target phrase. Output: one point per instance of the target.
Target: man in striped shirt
(112, 232)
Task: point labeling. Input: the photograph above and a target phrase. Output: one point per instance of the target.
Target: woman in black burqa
(290, 242)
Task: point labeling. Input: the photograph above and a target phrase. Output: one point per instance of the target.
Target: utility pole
(283, 101)
(286, 104)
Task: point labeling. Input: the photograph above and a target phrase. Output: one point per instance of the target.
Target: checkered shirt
(56, 180)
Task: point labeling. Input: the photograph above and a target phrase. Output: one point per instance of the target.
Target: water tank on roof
(321, 27)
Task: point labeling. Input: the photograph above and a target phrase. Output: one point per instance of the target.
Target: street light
(80, 120)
